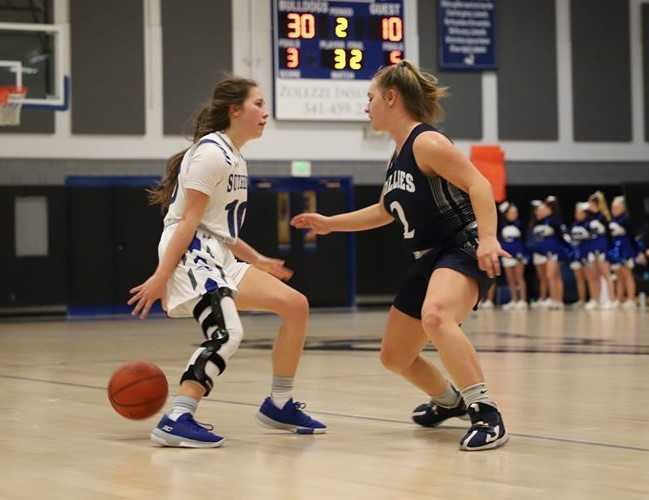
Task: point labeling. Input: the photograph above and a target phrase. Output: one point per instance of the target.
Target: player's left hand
(275, 267)
(488, 253)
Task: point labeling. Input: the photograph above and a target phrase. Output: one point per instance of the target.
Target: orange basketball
(137, 390)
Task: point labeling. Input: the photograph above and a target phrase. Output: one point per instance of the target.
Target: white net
(11, 102)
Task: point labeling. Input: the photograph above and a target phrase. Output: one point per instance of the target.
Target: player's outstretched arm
(243, 251)
(359, 220)
(146, 294)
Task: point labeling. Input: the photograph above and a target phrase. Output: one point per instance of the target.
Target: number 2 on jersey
(396, 208)
(239, 212)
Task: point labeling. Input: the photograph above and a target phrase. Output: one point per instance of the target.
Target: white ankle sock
(182, 405)
(281, 390)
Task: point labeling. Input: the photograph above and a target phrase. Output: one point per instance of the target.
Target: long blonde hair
(419, 90)
(599, 198)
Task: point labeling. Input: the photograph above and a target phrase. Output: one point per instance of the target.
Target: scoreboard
(325, 52)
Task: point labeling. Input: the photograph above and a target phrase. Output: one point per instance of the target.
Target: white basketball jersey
(215, 167)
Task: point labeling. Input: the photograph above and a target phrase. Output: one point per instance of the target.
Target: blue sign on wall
(466, 34)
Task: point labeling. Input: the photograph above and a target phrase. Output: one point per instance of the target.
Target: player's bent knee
(293, 305)
(432, 318)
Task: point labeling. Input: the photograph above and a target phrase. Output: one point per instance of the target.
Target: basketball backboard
(32, 55)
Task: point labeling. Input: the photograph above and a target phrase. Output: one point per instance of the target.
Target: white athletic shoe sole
(489, 446)
(164, 439)
(269, 423)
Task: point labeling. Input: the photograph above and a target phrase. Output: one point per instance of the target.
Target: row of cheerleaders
(599, 246)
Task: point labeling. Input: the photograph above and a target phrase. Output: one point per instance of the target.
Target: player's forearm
(243, 251)
(484, 207)
(360, 220)
(176, 248)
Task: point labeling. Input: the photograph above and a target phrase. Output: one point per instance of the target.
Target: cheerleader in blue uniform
(579, 237)
(623, 253)
(550, 241)
(598, 266)
(539, 260)
(511, 239)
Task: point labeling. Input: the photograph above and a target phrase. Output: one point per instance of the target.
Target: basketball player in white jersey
(205, 190)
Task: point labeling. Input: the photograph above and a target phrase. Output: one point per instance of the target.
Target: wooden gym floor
(573, 387)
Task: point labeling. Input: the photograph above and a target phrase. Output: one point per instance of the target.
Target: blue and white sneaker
(290, 418)
(432, 414)
(185, 432)
(487, 428)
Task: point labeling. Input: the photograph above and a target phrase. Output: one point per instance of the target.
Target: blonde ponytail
(419, 90)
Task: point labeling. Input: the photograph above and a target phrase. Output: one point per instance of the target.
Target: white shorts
(511, 262)
(208, 264)
(538, 259)
(596, 256)
(629, 263)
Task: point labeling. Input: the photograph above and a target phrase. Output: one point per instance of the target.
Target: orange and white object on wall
(490, 160)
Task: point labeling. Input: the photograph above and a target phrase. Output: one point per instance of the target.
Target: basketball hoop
(11, 102)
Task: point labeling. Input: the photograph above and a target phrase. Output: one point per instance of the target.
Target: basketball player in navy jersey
(448, 215)
(206, 193)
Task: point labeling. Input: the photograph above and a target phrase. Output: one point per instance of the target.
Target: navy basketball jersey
(430, 209)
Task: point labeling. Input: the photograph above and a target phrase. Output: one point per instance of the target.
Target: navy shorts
(410, 297)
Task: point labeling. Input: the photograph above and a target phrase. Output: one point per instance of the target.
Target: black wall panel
(107, 65)
(322, 273)
(32, 280)
(197, 51)
(601, 78)
(381, 259)
(137, 227)
(91, 277)
(113, 240)
(527, 70)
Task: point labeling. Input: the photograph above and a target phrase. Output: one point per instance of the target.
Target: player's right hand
(488, 253)
(318, 224)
